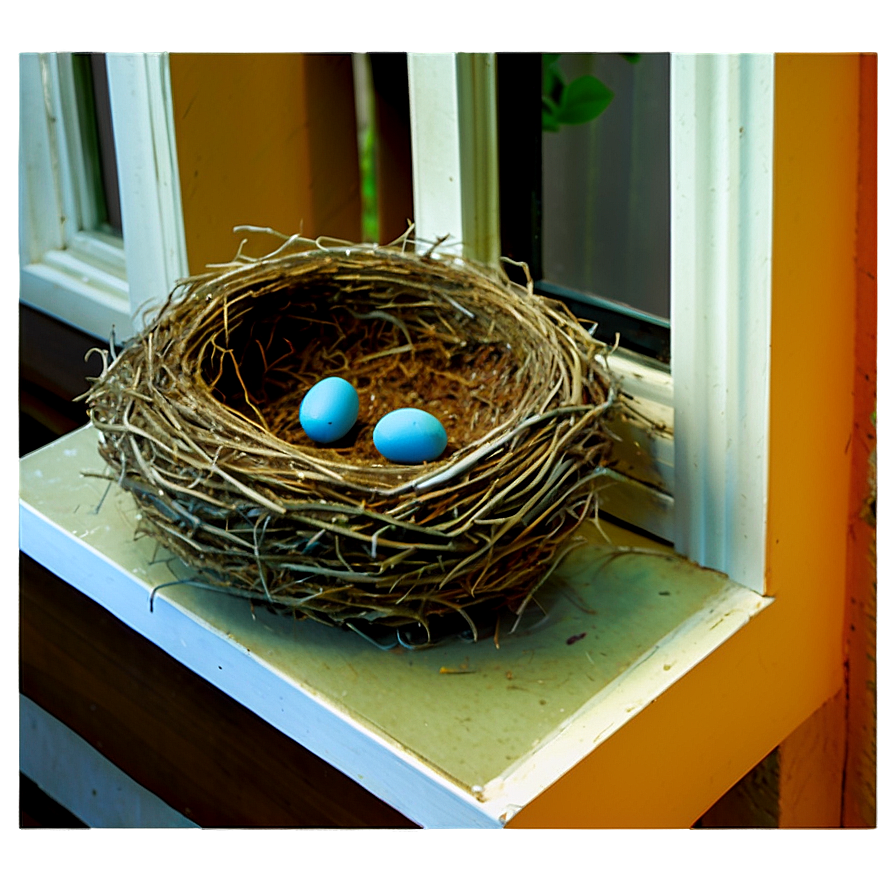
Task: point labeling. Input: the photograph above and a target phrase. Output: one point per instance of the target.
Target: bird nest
(198, 419)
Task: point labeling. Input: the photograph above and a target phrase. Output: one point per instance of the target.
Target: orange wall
(828, 764)
(813, 345)
(267, 139)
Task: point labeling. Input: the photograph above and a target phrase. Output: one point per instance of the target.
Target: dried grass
(198, 419)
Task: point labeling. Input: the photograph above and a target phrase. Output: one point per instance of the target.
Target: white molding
(453, 103)
(81, 276)
(644, 381)
(68, 769)
(635, 688)
(40, 190)
(94, 305)
(435, 146)
(645, 507)
(78, 195)
(722, 142)
(643, 448)
(146, 153)
(73, 274)
(102, 250)
(643, 422)
(477, 94)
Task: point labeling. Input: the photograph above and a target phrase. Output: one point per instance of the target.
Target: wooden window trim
(70, 270)
(722, 108)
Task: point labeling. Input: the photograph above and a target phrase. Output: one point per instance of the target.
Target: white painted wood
(477, 96)
(644, 382)
(635, 688)
(643, 448)
(642, 452)
(381, 765)
(61, 119)
(81, 779)
(146, 154)
(78, 188)
(98, 310)
(642, 424)
(263, 673)
(435, 146)
(103, 251)
(722, 115)
(645, 507)
(86, 271)
(40, 190)
(89, 279)
(454, 151)
(68, 269)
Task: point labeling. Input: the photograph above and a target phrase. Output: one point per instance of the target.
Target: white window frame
(699, 479)
(69, 269)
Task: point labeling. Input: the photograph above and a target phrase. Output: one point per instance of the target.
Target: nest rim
(385, 492)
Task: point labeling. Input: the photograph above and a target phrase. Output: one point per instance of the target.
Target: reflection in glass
(606, 180)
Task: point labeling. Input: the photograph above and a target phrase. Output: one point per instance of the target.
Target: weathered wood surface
(171, 731)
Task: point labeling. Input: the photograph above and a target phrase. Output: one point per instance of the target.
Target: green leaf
(631, 57)
(552, 84)
(549, 115)
(583, 100)
(549, 123)
(548, 59)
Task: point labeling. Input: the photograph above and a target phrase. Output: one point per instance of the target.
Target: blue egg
(409, 436)
(329, 409)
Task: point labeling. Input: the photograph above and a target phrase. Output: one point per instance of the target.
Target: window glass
(584, 186)
(95, 119)
(605, 176)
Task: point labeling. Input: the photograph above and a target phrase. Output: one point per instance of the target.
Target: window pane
(95, 115)
(106, 141)
(605, 190)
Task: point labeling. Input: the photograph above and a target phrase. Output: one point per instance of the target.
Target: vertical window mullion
(455, 151)
(435, 146)
(721, 120)
(40, 205)
(77, 202)
(146, 157)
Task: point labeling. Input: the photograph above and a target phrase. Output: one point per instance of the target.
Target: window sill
(78, 294)
(468, 734)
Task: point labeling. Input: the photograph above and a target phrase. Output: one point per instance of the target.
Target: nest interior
(198, 419)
